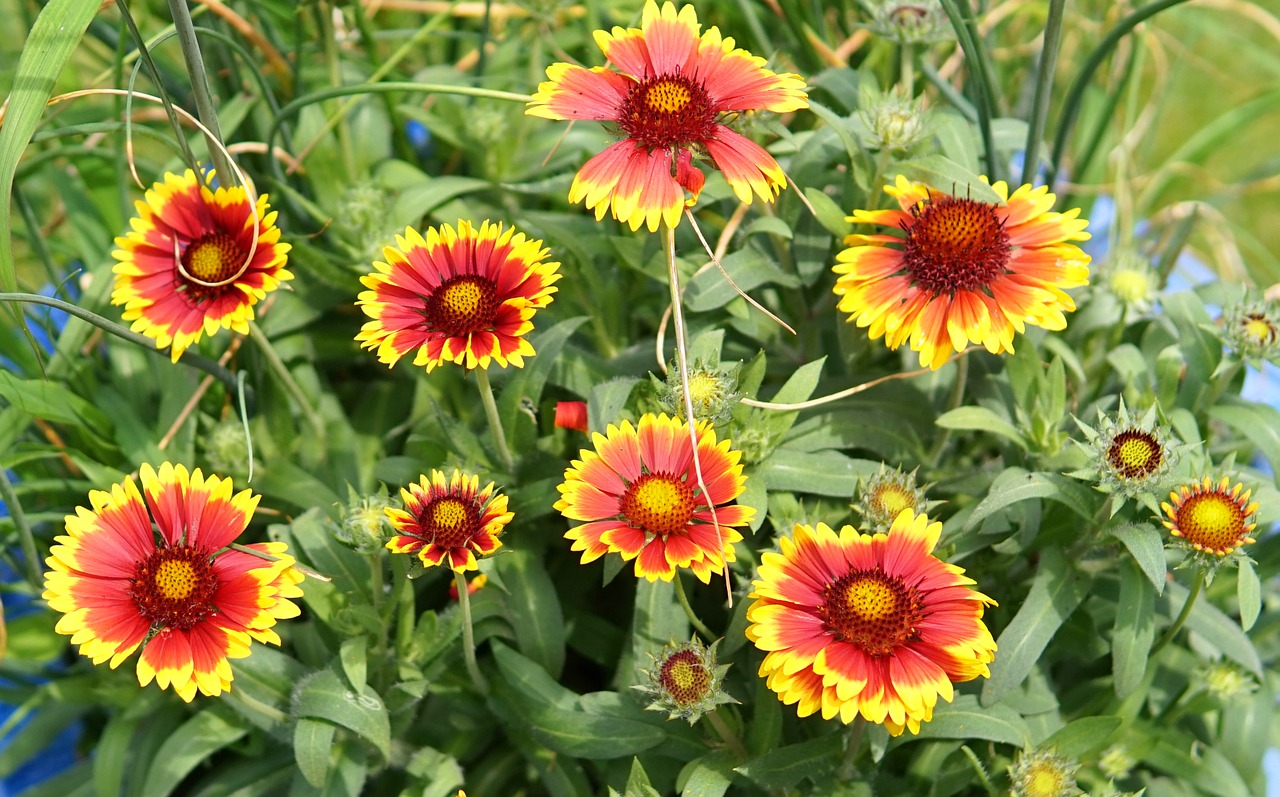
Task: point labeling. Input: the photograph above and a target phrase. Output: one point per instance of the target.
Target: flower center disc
(1211, 520)
(1045, 781)
(662, 112)
(214, 258)
(658, 503)
(449, 522)
(890, 499)
(684, 677)
(462, 306)
(1134, 454)
(955, 245)
(871, 610)
(1259, 330)
(174, 588)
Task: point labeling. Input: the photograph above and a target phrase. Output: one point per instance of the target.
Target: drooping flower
(449, 517)
(195, 262)
(675, 89)
(466, 297)
(638, 495)
(685, 681)
(867, 624)
(1043, 773)
(964, 271)
(153, 569)
(1212, 519)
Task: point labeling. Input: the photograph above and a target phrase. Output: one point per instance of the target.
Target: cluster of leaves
(369, 695)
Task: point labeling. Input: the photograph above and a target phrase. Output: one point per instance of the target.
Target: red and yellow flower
(196, 262)
(152, 569)
(870, 624)
(449, 517)
(963, 271)
(673, 92)
(638, 495)
(1212, 519)
(466, 297)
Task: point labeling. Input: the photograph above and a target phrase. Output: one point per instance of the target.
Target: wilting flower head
(712, 392)
(867, 624)
(1213, 520)
(685, 681)
(571, 415)
(883, 495)
(153, 569)
(449, 517)
(963, 272)
(638, 496)
(675, 89)
(466, 297)
(195, 262)
(1043, 773)
(1252, 330)
(1131, 457)
(911, 21)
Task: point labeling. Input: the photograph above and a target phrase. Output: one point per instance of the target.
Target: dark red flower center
(213, 259)
(1134, 454)
(1212, 521)
(684, 677)
(174, 588)
(872, 610)
(658, 503)
(449, 521)
(667, 111)
(462, 306)
(954, 245)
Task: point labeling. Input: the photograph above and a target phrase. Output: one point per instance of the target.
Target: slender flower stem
(953, 401)
(290, 385)
(682, 362)
(1181, 620)
(726, 733)
(1044, 85)
(145, 54)
(698, 625)
(980, 771)
(469, 635)
(847, 768)
(408, 611)
(26, 539)
(495, 421)
(258, 707)
(205, 106)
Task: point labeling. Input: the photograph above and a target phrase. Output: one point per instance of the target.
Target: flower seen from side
(195, 262)
(673, 92)
(962, 271)
(872, 625)
(466, 296)
(1212, 519)
(153, 569)
(637, 495)
(449, 520)
(685, 681)
(1252, 330)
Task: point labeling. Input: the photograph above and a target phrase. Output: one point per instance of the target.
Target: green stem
(953, 401)
(408, 612)
(145, 55)
(26, 538)
(1181, 619)
(847, 769)
(205, 106)
(286, 379)
(469, 635)
(698, 625)
(324, 17)
(495, 421)
(907, 73)
(976, 57)
(1044, 87)
(980, 771)
(188, 357)
(258, 707)
(726, 733)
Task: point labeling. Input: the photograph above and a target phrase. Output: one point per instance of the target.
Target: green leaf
(53, 402)
(783, 768)
(353, 655)
(946, 175)
(707, 776)
(1015, 485)
(821, 473)
(324, 696)
(964, 718)
(1248, 593)
(416, 201)
(1146, 545)
(981, 419)
(1213, 626)
(1082, 738)
(607, 400)
(1134, 629)
(525, 385)
(1055, 594)
(194, 741)
(800, 386)
(112, 754)
(534, 609)
(45, 52)
(638, 782)
(748, 267)
(312, 741)
(830, 215)
(1257, 423)
(656, 620)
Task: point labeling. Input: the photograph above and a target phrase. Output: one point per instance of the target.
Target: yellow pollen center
(871, 599)
(659, 497)
(1044, 781)
(214, 258)
(1136, 453)
(449, 514)
(704, 388)
(667, 97)
(684, 678)
(658, 503)
(684, 675)
(175, 580)
(462, 298)
(890, 499)
(1212, 522)
(1259, 330)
